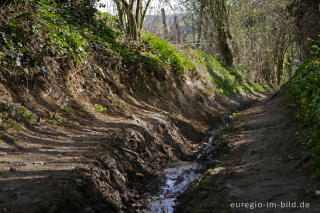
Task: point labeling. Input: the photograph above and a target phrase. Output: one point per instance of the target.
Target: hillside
(89, 118)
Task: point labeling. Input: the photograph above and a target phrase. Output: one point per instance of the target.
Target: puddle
(177, 177)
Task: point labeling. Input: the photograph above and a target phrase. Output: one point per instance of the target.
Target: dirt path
(88, 167)
(92, 163)
(262, 167)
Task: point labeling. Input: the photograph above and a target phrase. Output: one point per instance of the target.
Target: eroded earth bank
(83, 139)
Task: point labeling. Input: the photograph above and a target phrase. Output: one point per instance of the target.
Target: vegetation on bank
(304, 97)
(61, 30)
(168, 53)
(46, 31)
(228, 80)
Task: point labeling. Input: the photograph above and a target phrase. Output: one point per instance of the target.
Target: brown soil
(99, 162)
(261, 161)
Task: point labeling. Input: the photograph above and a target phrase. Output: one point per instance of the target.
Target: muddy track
(97, 163)
(259, 167)
(176, 177)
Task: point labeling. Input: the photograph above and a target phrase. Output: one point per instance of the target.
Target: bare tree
(132, 15)
(178, 30)
(200, 24)
(164, 21)
(211, 18)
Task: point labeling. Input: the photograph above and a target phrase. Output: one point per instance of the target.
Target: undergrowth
(11, 117)
(303, 93)
(36, 35)
(228, 80)
(49, 29)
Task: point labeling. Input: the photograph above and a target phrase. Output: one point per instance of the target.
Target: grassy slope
(304, 97)
(72, 32)
(43, 32)
(227, 80)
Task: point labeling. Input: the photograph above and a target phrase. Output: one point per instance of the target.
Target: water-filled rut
(177, 177)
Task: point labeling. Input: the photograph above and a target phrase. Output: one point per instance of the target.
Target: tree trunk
(164, 21)
(132, 15)
(219, 15)
(132, 26)
(120, 13)
(178, 32)
(281, 60)
(193, 31)
(224, 47)
(202, 5)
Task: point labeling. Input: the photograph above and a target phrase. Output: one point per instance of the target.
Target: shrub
(303, 94)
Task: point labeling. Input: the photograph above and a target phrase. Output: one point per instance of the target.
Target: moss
(258, 87)
(11, 116)
(152, 61)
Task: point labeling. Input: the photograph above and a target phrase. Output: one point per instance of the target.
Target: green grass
(303, 94)
(168, 53)
(228, 80)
